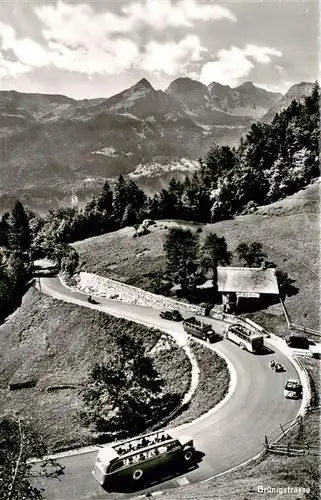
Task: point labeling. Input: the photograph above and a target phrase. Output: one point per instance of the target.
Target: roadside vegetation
(214, 380)
(49, 349)
(19, 248)
(19, 442)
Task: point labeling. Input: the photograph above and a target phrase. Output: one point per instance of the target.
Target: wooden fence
(272, 441)
(294, 451)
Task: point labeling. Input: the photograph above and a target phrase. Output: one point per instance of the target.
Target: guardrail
(304, 329)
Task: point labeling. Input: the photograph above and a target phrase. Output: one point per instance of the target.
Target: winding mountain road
(229, 436)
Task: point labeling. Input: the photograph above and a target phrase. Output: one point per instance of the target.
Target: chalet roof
(247, 279)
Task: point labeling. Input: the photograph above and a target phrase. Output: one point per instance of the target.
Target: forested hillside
(273, 161)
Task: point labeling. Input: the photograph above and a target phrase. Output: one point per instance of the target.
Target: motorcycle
(276, 367)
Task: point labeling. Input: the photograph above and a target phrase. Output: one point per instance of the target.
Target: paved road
(227, 437)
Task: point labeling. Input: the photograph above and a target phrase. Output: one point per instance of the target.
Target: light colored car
(293, 389)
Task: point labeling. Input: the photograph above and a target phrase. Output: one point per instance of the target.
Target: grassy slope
(55, 343)
(213, 384)
(118, 255)
(288, 230)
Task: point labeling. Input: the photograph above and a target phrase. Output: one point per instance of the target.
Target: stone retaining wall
(95, 285)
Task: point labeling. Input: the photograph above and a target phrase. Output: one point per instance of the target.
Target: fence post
(300, 424)
(282, 430)
(266, 442)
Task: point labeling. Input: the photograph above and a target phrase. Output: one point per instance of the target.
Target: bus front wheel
(188, 454)
(137, 474)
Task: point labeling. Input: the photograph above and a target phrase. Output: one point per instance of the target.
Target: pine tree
(4, 230)
(105, 200)
(121, 199)
(20, 234)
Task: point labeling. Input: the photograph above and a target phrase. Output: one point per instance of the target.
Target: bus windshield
(257, 344)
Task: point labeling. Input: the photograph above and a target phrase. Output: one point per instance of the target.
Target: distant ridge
(54, 144)
(298, 91)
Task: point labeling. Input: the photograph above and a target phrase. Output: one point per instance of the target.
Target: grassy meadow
(288, 230)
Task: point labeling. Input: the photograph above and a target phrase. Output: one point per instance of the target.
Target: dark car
(174, 315)
(297, 341)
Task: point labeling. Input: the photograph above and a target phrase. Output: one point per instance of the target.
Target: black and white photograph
(160, 327)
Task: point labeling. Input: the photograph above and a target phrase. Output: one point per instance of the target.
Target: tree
(6, 289)
(69, 260)
(18, 444)
(125, 395)
(181, 249)
(20, 234)
(105, 200)
(285, 284)
(121, 198)
(214, 252)
(18, 270)
(218, 161)
(4, 230)
(252, 254)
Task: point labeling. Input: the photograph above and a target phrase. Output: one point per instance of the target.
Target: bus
(245, 338)
(134, 458)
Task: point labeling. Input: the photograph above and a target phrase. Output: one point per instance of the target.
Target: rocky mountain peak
(143, 84)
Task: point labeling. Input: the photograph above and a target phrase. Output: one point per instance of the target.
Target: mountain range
(57, 150)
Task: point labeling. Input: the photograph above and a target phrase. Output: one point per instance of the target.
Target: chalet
(235, 283)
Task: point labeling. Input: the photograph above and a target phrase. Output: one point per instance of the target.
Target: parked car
(174, 315)
(293, 389)
(297, 341)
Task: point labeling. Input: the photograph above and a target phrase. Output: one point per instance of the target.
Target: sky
(99, 48)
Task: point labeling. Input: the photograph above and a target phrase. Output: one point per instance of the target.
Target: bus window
(117, 465)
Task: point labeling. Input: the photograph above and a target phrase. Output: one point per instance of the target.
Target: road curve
(228, 437)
